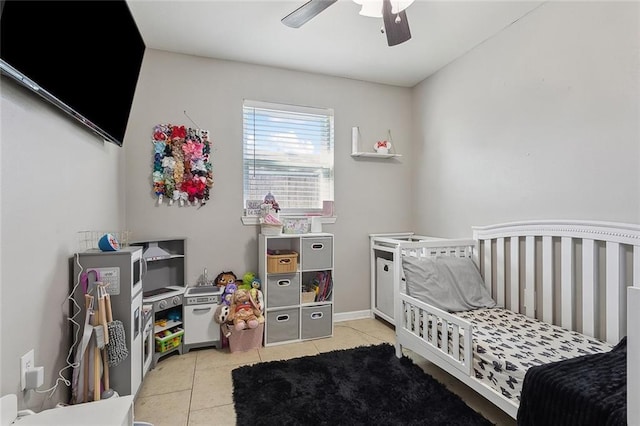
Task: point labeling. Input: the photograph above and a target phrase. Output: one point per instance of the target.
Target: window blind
(288, 151)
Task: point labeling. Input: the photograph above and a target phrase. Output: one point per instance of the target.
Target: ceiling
(337, 42)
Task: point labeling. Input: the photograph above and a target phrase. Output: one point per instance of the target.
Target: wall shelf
(374, 155)
(355, 142)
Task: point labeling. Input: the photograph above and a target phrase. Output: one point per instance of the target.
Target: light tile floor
(196, 388)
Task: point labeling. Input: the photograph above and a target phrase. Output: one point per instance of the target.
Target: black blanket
(587, 390)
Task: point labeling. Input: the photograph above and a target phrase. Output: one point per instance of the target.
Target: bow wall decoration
(182, 170)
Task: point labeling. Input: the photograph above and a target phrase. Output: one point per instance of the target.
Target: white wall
(57, 179)
(541, 121)
(370, 196)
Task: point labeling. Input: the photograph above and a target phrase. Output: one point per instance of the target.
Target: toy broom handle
(105, 366)
(107, 300)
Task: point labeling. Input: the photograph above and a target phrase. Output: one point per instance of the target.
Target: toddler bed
(516, 296)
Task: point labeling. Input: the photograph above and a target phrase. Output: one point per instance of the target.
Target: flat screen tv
(82, 56)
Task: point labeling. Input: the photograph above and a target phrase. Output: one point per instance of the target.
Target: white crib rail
(417, 324)
(570, 273)
(432, 329)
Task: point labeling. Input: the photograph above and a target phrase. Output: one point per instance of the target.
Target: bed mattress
(506, 344)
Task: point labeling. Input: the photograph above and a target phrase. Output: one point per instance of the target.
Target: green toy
(247, 279)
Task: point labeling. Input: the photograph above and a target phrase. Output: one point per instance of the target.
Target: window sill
(253, 220)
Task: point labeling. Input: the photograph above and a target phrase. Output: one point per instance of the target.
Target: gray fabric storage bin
(316, 321)
(283, 290)
(317, 253)
(283, 325)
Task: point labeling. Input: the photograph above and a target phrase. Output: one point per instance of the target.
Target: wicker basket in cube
(308, 296)
(282, 263)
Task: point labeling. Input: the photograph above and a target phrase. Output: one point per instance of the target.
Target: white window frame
(248, 147)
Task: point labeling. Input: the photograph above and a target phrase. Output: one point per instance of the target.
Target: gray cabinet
(297, 276)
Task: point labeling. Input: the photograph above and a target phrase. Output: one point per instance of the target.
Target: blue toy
(256, 294)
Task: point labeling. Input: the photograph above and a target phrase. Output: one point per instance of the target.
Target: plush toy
(222, 314)
(247, 279)
(225, 278)
(256, 294)
(271, 200)
(243, 311)
(227, 294)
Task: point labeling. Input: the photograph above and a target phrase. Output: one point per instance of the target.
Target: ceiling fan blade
(304, 13)
(397, 30)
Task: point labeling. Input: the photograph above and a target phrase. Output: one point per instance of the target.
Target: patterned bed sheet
(506, 344)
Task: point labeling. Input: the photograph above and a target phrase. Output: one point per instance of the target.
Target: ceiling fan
(392, 12)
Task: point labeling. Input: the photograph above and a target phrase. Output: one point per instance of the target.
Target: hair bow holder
(182, 170)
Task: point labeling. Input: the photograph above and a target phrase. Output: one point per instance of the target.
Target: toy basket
(245, 340)
(308, 296)
(282, 262)
(169, 342)
(268, 229)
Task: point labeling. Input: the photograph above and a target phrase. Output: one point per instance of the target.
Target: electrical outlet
(27, 361)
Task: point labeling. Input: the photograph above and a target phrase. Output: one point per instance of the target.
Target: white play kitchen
(181, 313)
(142, 288)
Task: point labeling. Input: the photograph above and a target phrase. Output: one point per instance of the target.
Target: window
(288, 152)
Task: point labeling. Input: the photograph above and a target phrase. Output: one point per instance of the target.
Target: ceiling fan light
(373, 8)
(398, 6)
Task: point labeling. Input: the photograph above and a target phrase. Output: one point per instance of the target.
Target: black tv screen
(82, 56)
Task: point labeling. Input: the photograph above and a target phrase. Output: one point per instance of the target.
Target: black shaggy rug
(367, 385)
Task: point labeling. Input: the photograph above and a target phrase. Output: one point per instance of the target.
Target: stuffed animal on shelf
(225, 278)
(271, 200)
(244, 312)
(227, 294)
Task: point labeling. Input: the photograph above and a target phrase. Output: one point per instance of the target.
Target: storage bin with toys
(168, 339)
(240, 312)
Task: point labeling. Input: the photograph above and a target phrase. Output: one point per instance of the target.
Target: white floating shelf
(355, 139)
(374, 155)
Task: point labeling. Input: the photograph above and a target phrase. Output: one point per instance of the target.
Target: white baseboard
(348, 316)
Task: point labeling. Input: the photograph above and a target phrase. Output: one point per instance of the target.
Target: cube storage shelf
(289, 265)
